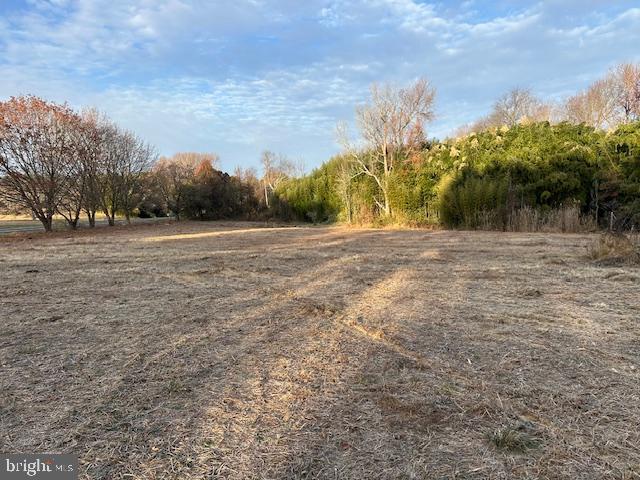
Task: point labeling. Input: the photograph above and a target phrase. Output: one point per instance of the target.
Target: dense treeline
(526, 166)
(530, 176)
(525, 177)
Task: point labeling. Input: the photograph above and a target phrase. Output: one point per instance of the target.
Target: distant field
(10, 224)
(206, 350)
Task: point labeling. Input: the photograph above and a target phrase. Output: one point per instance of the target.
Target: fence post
(611, 217)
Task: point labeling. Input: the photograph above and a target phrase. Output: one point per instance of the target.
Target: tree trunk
(387, 207)
(597, 206)
(177, 209)
(91, 216)
(47, 223)
(74, 218)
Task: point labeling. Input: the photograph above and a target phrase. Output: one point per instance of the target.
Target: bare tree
(392, 129)
(81, 194)
(246, 175)
(596, 106)
(71, 203)
(627, 83)
(137, 158)
(95, 133)
(109, 186)
(345, 175)
(516, 106)
(607, 102)
(275, 168)
(519, 105)
(38, 155)
(124, 158)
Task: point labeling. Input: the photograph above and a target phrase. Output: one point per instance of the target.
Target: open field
(206, 350)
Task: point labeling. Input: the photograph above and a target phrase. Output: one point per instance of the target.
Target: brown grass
(616, 248)
(212, 350)
(566, 219)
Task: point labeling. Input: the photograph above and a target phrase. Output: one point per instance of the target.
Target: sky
(237, 77)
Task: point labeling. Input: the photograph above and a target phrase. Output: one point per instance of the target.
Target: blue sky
(240, 76)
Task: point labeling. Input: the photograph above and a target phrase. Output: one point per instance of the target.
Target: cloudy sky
(240, 76)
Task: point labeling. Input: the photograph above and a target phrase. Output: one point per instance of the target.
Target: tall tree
(81, 194)
(627, 80)
(516, 106)
(96, 128)
(275, 168)
(596, 106)
(124, 158)
(392, 129)
(39, 154)
(138, 158)
(344, 176)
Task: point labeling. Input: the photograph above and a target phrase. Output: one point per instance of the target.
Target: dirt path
(226, 350)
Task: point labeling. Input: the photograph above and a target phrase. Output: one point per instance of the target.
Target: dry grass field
(220, 350)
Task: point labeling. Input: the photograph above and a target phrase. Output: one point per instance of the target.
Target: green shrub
(534, 176)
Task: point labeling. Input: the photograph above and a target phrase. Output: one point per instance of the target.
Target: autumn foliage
(56, 161)
(40, 148)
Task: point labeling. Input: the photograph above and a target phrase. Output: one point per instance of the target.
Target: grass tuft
(616, 248)
(518, 439)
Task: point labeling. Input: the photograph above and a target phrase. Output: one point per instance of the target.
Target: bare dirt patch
(205, 350)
